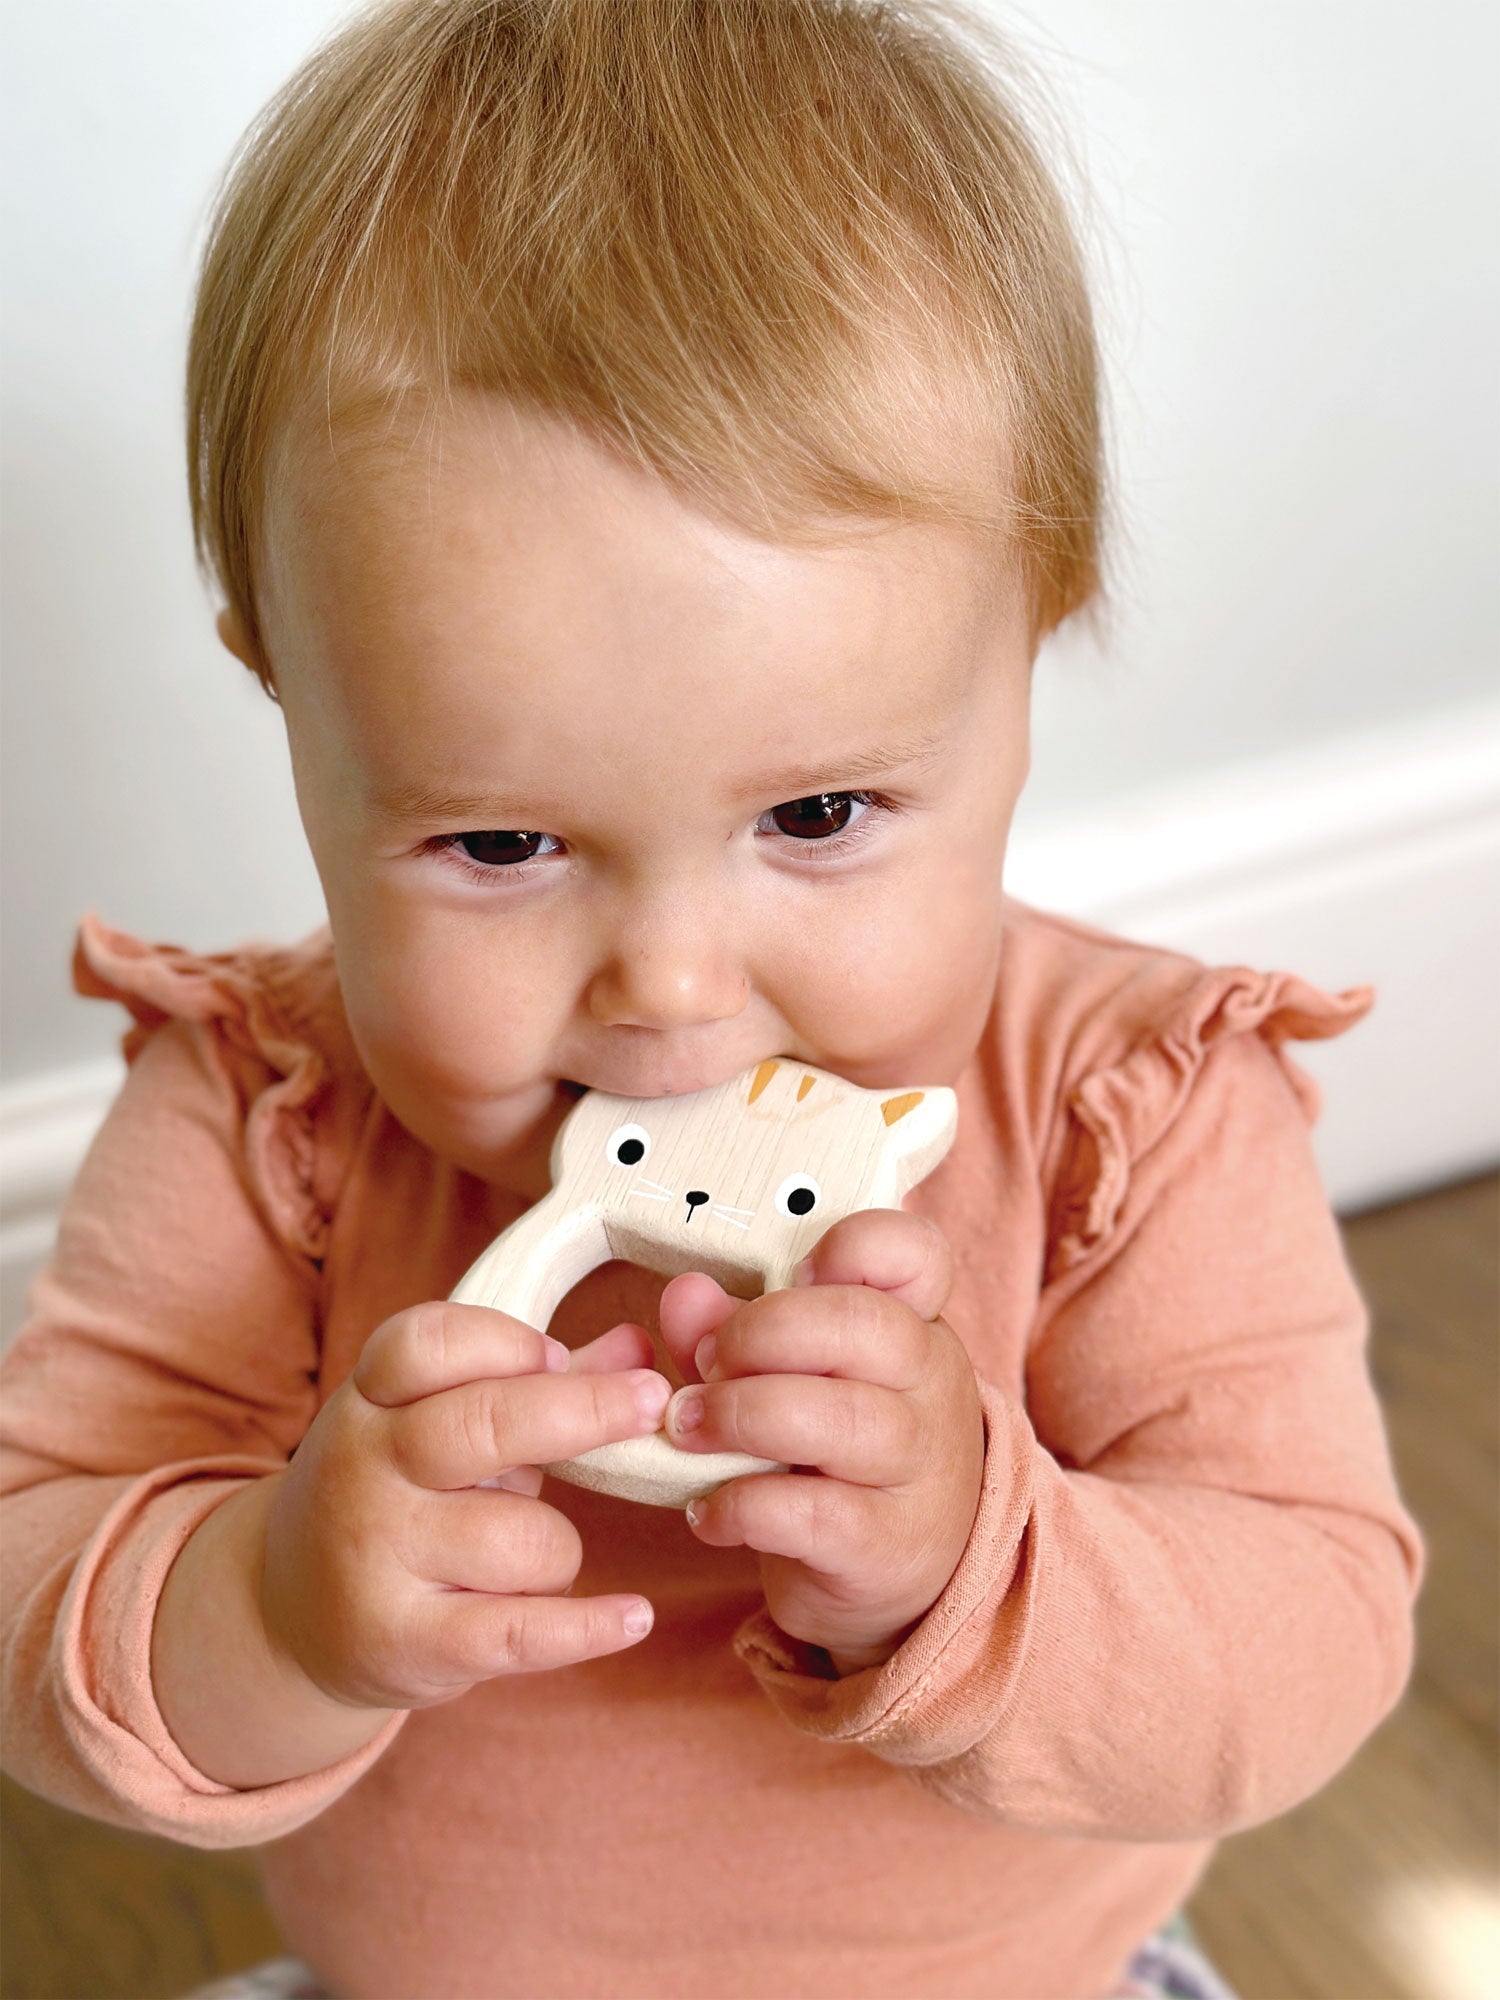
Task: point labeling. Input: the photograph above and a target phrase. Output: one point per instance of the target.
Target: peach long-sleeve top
(1185, 1601)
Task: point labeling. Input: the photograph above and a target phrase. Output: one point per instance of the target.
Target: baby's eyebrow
(416, 800)
(873, 763)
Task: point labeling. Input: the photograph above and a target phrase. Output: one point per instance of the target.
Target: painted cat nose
(694, 1196)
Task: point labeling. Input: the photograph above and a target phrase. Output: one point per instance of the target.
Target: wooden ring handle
(852, 1148)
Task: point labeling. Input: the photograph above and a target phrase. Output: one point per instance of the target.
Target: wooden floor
(1386, 1886)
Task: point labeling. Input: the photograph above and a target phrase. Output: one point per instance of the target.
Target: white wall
(1297, 205)
(1298, 290)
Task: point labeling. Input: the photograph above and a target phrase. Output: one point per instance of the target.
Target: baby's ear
(233, 635)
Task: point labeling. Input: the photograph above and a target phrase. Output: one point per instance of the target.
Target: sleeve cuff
(933, 1698)
(103, 1673)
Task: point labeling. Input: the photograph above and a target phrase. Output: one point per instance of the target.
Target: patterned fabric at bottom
(1168, 1966)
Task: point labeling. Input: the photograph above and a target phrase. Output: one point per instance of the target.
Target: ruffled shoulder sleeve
(1139, 1056)
(276, 1017)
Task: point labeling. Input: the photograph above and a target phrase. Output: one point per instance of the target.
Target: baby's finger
(440, 1344)
(855, 1431)
(829, 1525)
(470, 1636)
(693, 1305)
(852, 1331)
(905, 1256)
(502, 1543)
(463, 1435)
(623, 1346)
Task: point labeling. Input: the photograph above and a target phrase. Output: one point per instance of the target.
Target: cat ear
(921, 1126)
(894, 1108)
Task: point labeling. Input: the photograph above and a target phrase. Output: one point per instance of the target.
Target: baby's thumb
(692, 1306)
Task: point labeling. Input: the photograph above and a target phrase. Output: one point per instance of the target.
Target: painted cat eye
(798, 1195)
(628, 1145)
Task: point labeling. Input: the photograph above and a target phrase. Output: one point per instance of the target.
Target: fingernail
(704, 1352)
(637, 1620)
(514, 1481)
(652, 1395)
(558, 1356)
(694, 1512)
(687, 1410)
(803, 1274)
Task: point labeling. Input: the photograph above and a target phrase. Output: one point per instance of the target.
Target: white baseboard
(1374, 860)
(46, 1124)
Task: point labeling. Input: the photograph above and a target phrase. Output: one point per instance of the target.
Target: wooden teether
(739, 1181)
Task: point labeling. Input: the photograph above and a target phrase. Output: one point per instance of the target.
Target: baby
(641, 447)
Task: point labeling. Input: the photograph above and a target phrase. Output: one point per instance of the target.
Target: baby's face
(601, 791)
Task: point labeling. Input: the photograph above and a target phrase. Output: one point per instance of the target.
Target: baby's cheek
(909, 977)
(454, 1025)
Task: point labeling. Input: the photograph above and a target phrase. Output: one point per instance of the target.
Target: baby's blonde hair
(800, 258)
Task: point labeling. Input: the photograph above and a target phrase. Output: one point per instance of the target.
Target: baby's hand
(407, 1555)
(856, 1383)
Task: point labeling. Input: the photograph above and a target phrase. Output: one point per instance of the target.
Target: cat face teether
(739, 1181)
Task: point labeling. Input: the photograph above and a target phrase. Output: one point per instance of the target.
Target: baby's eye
(824, 825)
(500, 850)
(491, 857)
(819, 816)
